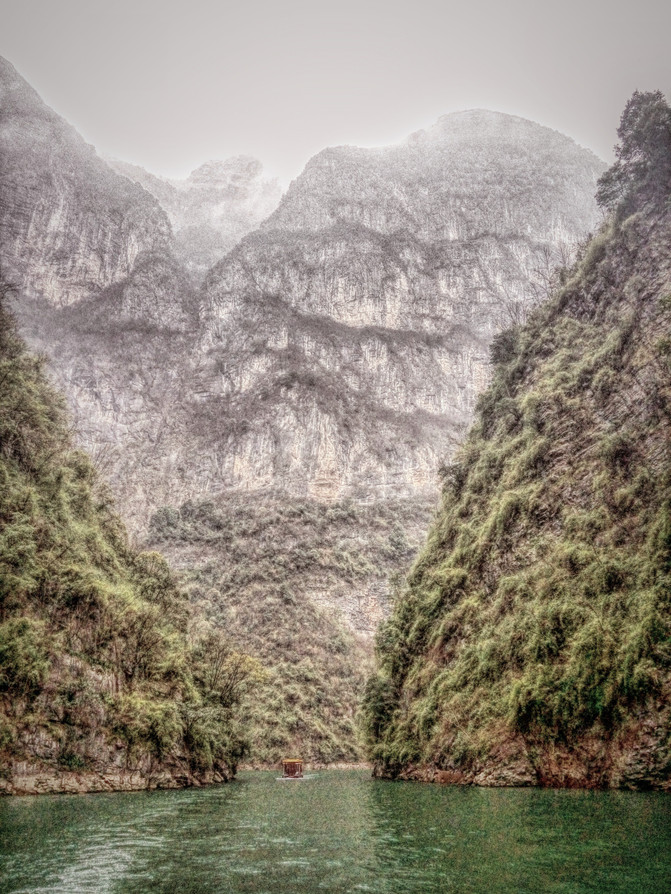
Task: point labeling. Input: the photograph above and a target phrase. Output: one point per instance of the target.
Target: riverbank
(636, 762)
(310, 766)
(32, 778)
(27, 778)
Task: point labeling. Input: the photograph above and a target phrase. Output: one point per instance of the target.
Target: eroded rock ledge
(632, 762)
(34, 778)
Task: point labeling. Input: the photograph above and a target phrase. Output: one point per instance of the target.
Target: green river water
(337, 831)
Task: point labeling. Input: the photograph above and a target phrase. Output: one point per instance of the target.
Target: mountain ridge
(211, 209)
(53, 183)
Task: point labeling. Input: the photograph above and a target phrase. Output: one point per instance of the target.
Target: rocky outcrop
(636, 760)
(34, 778)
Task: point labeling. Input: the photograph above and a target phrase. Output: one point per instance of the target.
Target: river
(337, 831)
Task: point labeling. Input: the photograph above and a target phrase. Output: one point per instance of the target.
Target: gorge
(274, 419)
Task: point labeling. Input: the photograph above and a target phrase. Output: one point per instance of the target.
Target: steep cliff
(531, 642)
(69, 226)
(105, 682)
(210, 211)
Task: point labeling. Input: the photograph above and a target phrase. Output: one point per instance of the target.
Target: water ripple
(340, 832)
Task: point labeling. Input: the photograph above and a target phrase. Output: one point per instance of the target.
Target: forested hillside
(532, 642)
(107, 679)
(296, 584)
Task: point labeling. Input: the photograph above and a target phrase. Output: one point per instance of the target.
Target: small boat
(292, 768)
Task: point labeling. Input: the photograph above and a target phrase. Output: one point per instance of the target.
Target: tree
(377, 707)
(642, 169)
(224, 673)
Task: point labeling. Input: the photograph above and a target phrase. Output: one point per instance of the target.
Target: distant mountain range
(210, 211)
(337, 350)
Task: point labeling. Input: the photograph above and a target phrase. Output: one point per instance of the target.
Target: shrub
(23, 658)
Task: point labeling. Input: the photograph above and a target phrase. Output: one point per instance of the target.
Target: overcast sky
(169, 85)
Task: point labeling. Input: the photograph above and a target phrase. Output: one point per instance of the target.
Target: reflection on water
(337, 832)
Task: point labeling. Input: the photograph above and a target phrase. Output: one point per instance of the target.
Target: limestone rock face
(349, 334)
(158, 291)
(213, 208)
(37, 778)
(69, 226)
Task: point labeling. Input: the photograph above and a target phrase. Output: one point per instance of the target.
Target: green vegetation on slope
(533, 639)
(291, 580)
(99, 666)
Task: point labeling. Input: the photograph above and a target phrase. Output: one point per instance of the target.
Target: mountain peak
(8, 73)
(218, 173)
(486, 126)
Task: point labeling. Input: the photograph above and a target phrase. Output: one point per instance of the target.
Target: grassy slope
(280, 573)
(98, 669)
(534, 633)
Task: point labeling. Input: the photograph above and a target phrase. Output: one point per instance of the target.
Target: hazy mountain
(346, 339)
(210, 211)
(69, 226)
(337, 351)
